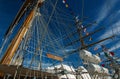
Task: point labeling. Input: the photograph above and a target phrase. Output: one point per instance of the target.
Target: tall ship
(53, 39)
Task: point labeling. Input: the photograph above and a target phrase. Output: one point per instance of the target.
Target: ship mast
(12, 48)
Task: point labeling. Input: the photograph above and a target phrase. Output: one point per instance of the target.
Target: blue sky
(105, 12)
(7, 13)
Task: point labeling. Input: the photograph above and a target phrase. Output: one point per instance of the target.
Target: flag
(103, 65)
(64, 1)
(76, 19)
(95, 48)
(87, 33)
(85, 29)
(66, 5)
(82, 26)
(112, 53)
(105, 50)
(111, 65)
(90, 39)
(106, 54)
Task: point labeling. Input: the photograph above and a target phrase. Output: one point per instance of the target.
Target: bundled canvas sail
(89, 57)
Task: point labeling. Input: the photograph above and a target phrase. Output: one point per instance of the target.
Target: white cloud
(113, 17)
(105, 9)
(114, 29)
(116, 46)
